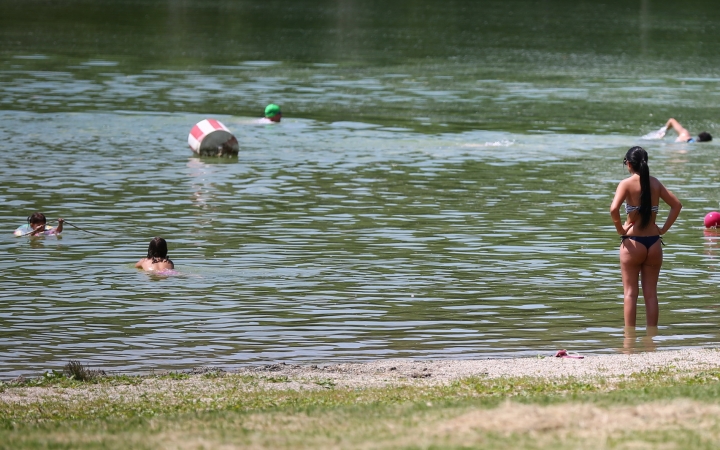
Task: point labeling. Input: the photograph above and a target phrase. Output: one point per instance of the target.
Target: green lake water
(438, 187)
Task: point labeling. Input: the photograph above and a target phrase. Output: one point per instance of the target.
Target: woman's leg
(632, 257)
(650, 274)
(650, 333)
(629, 337)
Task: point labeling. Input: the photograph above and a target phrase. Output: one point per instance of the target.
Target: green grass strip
(180, 411)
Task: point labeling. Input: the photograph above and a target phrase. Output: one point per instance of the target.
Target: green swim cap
(271, 110)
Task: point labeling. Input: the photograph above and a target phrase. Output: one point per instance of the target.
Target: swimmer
(684, 135)
(641, 254)
(37, 226)
(157, 258)
(272, 114)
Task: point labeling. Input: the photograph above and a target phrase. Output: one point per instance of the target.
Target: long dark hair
(637, 157)
(157, 250)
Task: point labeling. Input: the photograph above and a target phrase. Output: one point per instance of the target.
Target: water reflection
(712, 247)
(201, 174)
(646, 342)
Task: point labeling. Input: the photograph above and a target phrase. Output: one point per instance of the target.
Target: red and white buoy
(212, 138)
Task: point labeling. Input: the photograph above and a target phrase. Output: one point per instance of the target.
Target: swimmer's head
(157, 249)
(37, 218)
(272, 112)
(704, 137)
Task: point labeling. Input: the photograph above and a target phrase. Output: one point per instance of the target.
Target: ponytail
(638, 158)
(645, 197)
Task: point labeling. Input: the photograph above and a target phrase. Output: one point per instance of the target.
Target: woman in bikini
(641, 253)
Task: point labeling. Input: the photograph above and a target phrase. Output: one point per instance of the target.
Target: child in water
(37, 226)
(157, 258)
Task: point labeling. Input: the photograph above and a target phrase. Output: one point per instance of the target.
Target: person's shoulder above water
(156, 258)
(37, 226)
(27, 230)
(152, 265)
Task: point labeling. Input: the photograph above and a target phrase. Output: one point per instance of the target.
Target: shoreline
(385, 373)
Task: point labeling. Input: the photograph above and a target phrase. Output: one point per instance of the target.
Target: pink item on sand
(565, 354)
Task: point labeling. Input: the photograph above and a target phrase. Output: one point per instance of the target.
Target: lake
(439, 185)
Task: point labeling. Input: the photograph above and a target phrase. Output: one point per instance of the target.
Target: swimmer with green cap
(272, 113)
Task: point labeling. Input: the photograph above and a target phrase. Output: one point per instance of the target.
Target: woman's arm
(139, 264)
(675, 207)
(620, 194)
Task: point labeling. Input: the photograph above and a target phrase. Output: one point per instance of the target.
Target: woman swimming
(641, 253)
(157, 258)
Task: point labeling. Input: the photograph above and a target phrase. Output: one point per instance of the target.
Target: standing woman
(641, 253)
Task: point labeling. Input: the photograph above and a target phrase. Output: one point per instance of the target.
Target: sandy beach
(393, 372)
(385, 372)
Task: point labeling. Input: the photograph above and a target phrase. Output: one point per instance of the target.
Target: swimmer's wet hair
(37, 217)
(158, 250)
(704, 137)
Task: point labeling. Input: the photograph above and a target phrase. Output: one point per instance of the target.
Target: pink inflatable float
(209, 137)
(712, 220)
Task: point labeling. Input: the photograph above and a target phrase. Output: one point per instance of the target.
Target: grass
(657, 409)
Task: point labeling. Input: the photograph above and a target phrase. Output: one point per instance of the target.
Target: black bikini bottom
(647, 241)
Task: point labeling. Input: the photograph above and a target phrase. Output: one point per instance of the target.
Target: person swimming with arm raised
(157, 259)
(641, 254)
(684, 134)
